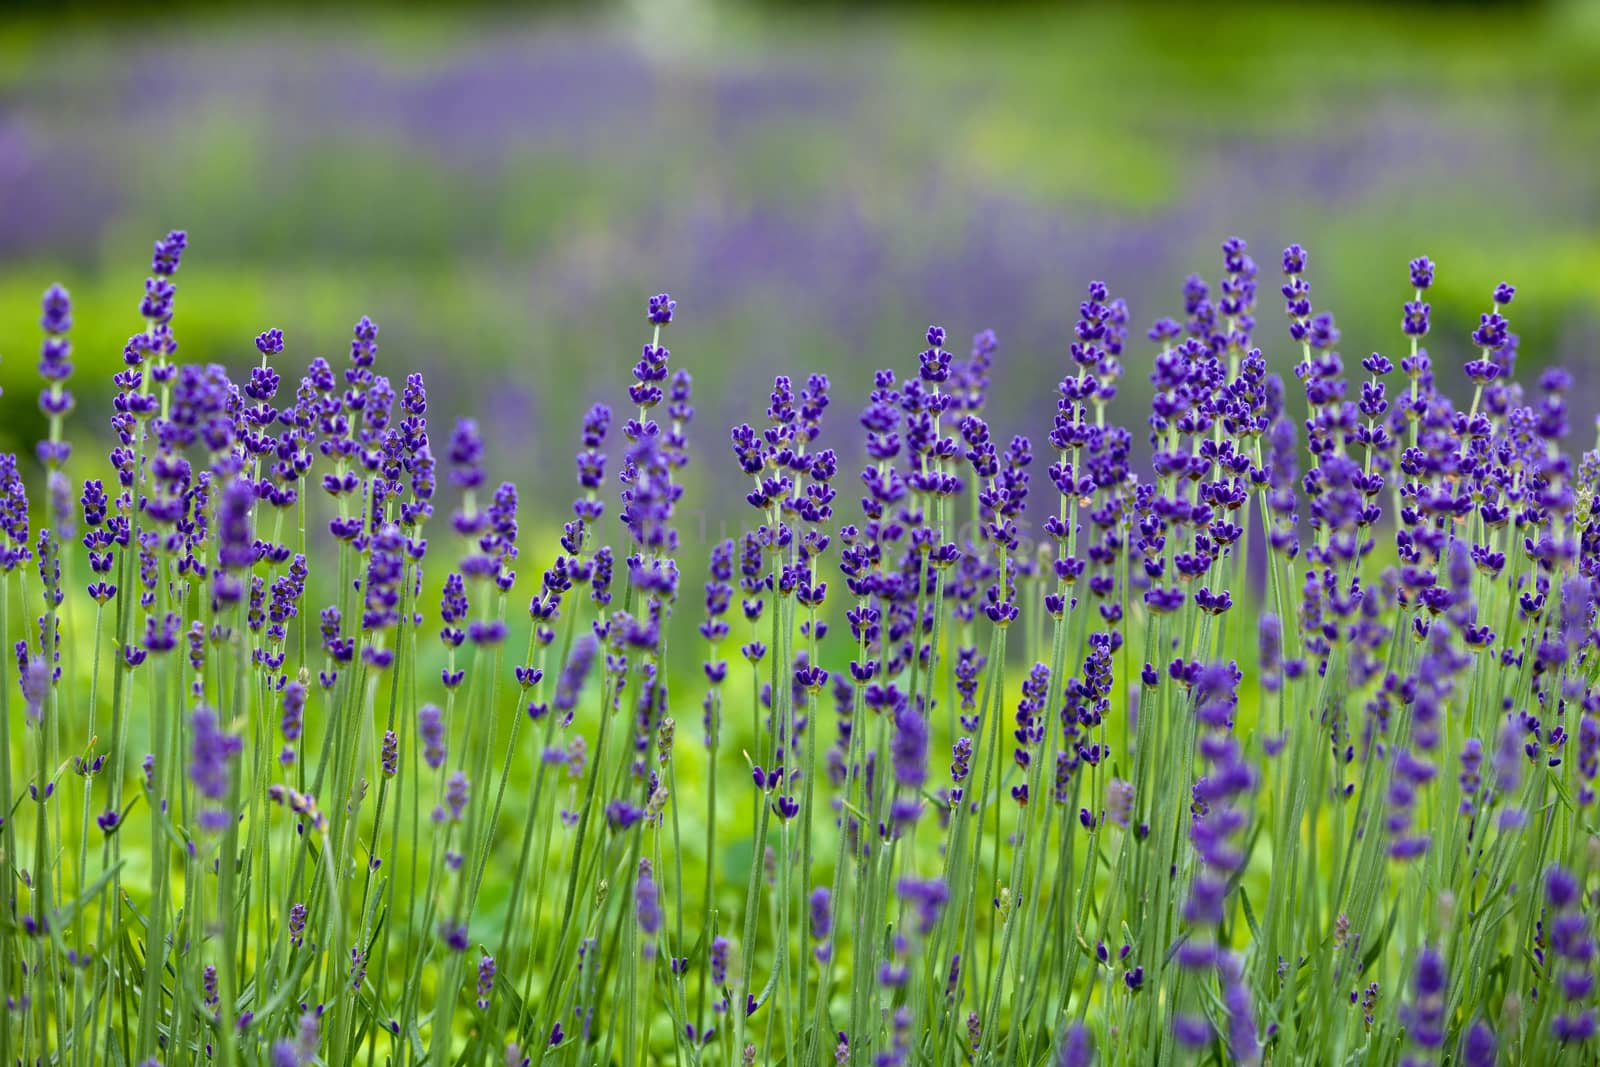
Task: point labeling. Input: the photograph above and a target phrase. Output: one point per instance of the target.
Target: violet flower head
(1470, 778)
(681, 412)
(55, 400)
(1269, 637)
(1478, 1046)
(34, 679)
(647, 901)
(56, 319)
(1296, 292)
(1191, 1031)
(363, 351)
(960, 765)
(660, 310)
(927, 898)
(168, 251)
(1494, 331)
(591, 463)
(465, 455)
(1424, 1015)
(235, 542)
(211, 753)
(935, 360)
(623, 815)
(647, 391)
(909, 747)
(1216, 694)
(1119, 801)
(1421, 272)
(454, 607)
(1076, 1048)
(430, 728)
(821, 913)
(457, 936)
(385, 573)
(1573, 946)
(1243, 1040)
(569, 686)
(717, 960)
(14, 540)
(1415, 320)
(1220, 816)
(970, 382)
(157, 303)
(457, 792)
(1561, 888)
(294, 705)
(486, 970)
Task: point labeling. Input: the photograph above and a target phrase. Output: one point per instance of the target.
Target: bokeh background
(501, 188)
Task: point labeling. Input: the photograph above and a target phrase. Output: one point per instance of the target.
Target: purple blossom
(569, 686)
(211, 754)
(486, 969)
(1478, 1046)
(927, 898)
(647, 904)
(430, 728)
(909, 748)
(14, 539)
(1423, 1016)
(821, 913)
(1076, 1048)
(456, 793)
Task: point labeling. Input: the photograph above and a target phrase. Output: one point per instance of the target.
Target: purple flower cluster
(1220, 817)
(1572, 943)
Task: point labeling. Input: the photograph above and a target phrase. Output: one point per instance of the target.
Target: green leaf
(71, 911)
(1249, 913)
(1375, 949)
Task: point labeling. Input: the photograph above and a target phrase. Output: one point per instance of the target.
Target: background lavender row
(492, 188)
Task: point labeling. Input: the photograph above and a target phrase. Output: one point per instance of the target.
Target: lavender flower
(209, 770)
(821, 913)
(1478, 1046)
(1076, 1048)
(486, 969)
(1572, 942)
(235, 543)
(56, 402)
(14, 538)
(647, 906)
(569, 685)
(1424, 1015)
(457, 792)
(718, 961)
(430, 727)
(910, 748)
(927, 898)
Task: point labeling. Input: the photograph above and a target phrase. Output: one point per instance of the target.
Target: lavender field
(428, 646)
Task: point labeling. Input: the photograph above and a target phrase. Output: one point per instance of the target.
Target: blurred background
(501, 189)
